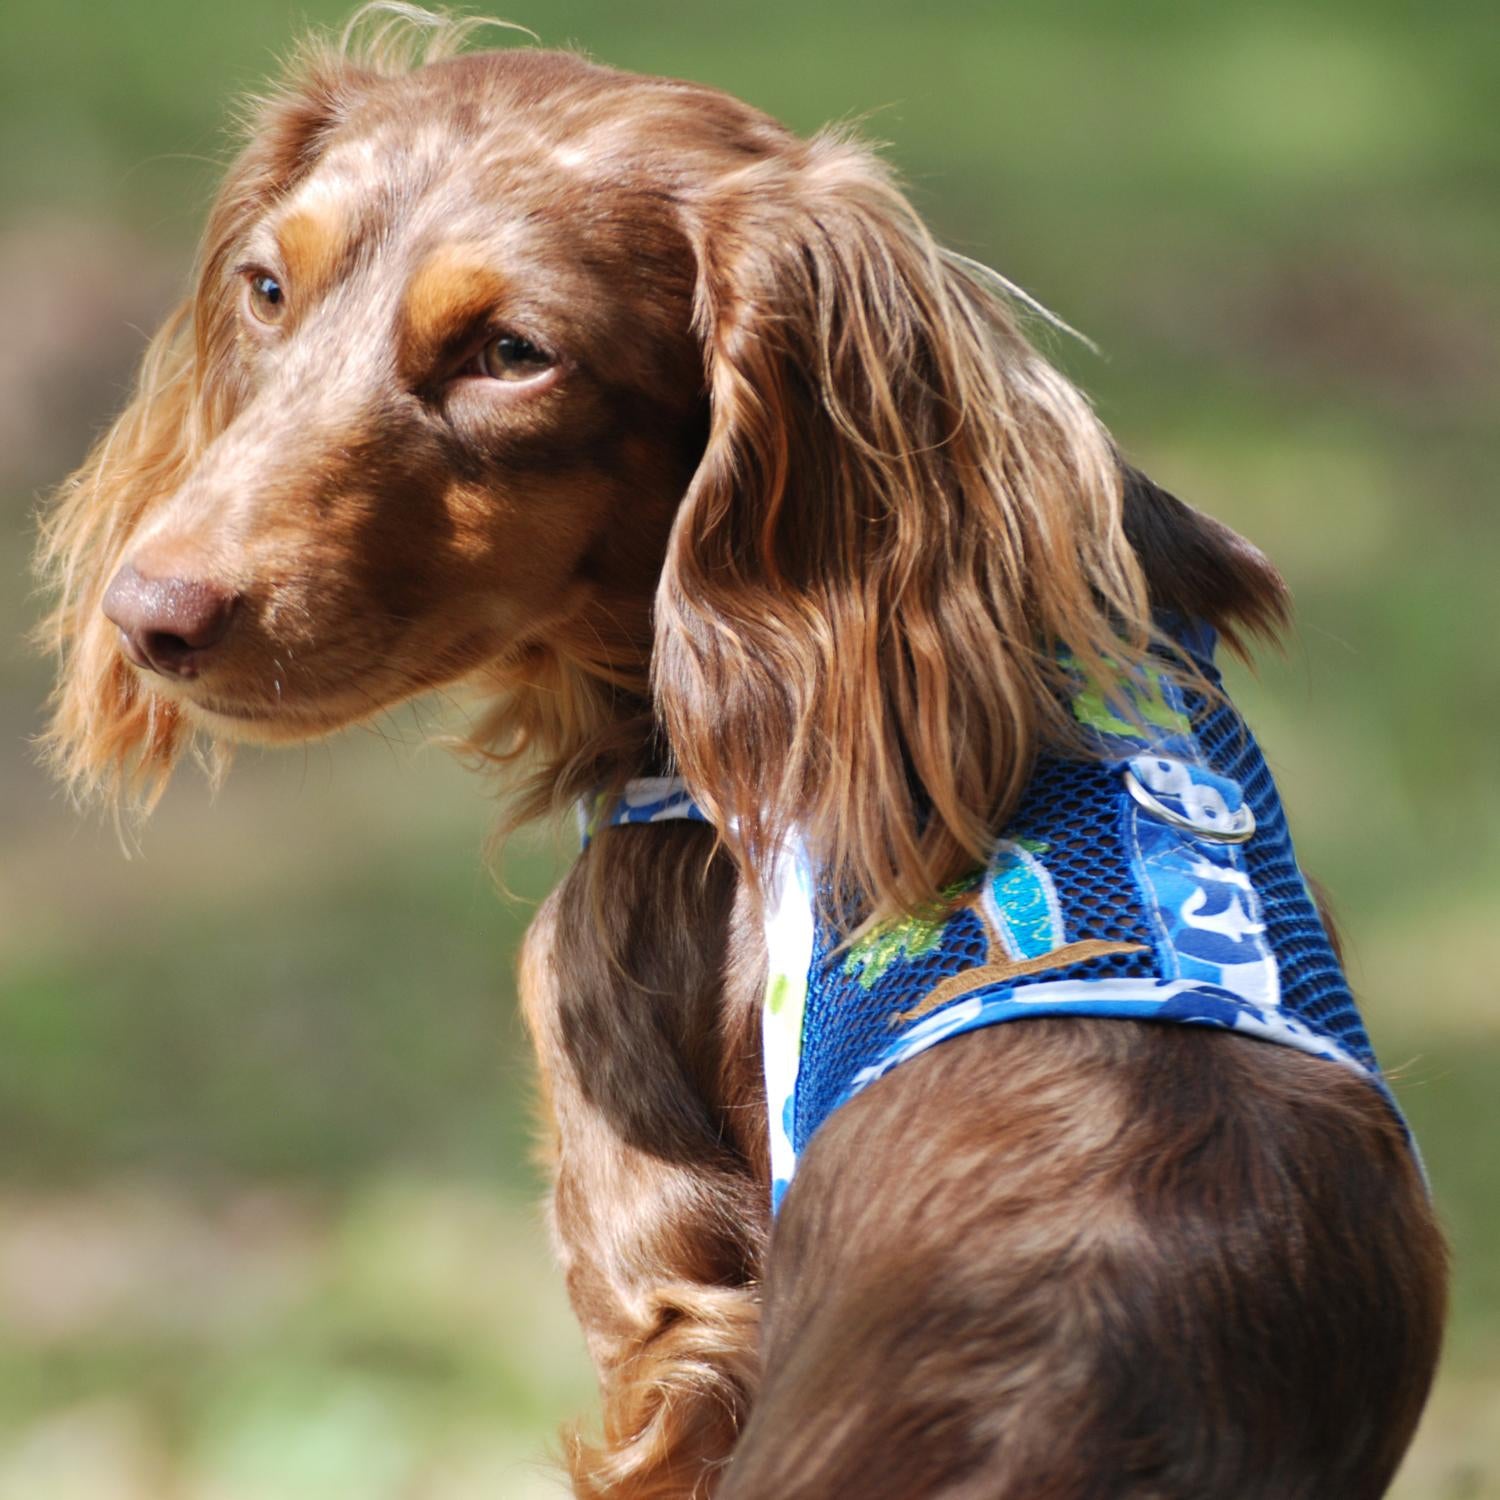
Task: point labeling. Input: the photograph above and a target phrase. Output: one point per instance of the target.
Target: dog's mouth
(252, 687)
(258, 687)
(229, 720)
(285, 717)
(239, 712)
(255, 714)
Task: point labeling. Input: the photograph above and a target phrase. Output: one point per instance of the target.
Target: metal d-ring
(1241, 832)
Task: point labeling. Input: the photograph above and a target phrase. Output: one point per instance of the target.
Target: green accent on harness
(909, 936)
(600, 807)
(785, 1013)
(1149, 700)
(781, 987)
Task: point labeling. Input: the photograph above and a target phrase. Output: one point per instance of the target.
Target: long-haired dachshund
(886, 691)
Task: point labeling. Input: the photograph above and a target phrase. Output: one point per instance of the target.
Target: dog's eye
(266, 297)
(510, 357)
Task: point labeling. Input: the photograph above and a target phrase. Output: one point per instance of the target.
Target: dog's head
(667, 426)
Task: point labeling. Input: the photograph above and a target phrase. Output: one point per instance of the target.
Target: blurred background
(268, 1226)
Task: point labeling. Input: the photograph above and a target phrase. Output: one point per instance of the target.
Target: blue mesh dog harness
(1155, 882)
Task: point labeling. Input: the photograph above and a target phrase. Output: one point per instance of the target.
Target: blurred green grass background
(267, 1219)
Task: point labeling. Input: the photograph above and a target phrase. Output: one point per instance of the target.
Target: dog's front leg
(659, 1209)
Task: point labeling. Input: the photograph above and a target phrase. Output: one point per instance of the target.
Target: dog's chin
(248, 727)
(219, 708)
(255, 723)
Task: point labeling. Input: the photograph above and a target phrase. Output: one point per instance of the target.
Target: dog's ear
(109, 734)
(1197, 567)
(904, 521)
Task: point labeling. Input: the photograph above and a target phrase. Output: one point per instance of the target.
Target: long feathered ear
(110, 735)
(904, 521)
(1198, 567)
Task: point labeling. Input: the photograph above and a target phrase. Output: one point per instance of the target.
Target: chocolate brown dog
(679, 437)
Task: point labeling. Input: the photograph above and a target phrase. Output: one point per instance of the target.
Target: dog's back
(1078, 1259)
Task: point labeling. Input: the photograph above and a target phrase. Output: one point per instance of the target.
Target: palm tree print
(1016, 905)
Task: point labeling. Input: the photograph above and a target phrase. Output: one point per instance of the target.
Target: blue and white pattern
(1202, 903)
(790, 931)
(1021, 902)
(646, 799)
(1184, 1001)
(1156, 882)
(1188, 795)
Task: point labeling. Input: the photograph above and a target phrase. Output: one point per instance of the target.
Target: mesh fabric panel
(1070, 807)
(1072, 817)
(1073, 808)
(845, 1027)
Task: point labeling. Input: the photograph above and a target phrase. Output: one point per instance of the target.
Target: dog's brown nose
(168, 625)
